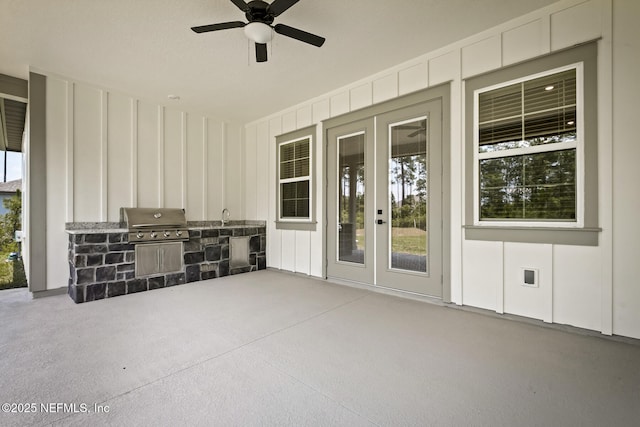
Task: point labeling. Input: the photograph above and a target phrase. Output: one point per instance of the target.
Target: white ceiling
(146, 48)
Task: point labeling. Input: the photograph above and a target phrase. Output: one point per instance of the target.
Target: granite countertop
(206, 225)
(94, 227)
(116, 227)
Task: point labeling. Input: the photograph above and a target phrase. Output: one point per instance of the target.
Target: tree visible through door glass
(408, 195)
(351, 199)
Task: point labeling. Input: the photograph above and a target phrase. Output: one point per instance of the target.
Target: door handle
(380, 221)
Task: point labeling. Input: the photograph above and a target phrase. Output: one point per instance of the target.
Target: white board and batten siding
(107, 150)
(576, 284)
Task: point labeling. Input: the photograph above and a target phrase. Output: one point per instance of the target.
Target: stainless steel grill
(147, 225)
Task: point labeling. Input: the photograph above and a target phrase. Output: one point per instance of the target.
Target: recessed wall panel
(289, 256)
(577, 272)
(234, 166)
(534, 302)
(87, 150)
(524, 42)
(576, 24)
(119, 158)
(57, 103)
(339, 104)
(262, 171)
(274, 236)
(196, 171)
(361, 96)
(303, 117)
(482, 274)
(289, 122)
(173, 159)
(148, 157)
(215, 169)
(303, 252)
(444, 68)
(385, 88)
(251, 160)
(481, 56)
(413, 78)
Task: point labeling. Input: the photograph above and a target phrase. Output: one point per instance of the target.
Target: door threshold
(387, 291)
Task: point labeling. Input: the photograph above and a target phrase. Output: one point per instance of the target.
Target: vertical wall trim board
(134, 152)
(73, 140)
(500, 286)
(69, 147)
(243, 175)
(205, 169)
(605, 163)
(546, 31)
(104, 141)
(37, 189)
(548, 317)
(183, 163)
(309, 252)
(160, 156)
(457, 247)
(502, 49)
(223, 153)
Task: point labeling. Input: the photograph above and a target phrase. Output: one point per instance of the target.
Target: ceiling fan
(418, 129)
(261, 15)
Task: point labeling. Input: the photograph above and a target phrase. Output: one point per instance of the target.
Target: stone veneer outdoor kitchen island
(102, 261)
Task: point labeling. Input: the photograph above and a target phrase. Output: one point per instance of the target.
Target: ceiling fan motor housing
(258, 12)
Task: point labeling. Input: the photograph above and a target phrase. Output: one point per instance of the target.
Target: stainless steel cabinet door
(158, 258)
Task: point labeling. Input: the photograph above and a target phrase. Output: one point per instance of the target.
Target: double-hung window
(295, 179)
(528, 142)
(531, 151)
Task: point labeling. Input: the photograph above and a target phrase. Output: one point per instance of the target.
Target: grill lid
(149, 225)
(142, 218)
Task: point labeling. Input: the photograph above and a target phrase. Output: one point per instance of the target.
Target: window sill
(294, 225)
(586, 236)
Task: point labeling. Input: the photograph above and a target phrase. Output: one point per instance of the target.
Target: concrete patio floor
(270, 348)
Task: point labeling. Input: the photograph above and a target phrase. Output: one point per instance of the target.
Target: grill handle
(157, 225)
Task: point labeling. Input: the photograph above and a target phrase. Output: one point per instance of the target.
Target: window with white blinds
(295, 179)
(527, 148)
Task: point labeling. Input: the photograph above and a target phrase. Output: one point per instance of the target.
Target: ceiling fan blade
(261, 52)
(216, 27)
(297, 34)
(241, 5)
(416, 133)
(279, 6)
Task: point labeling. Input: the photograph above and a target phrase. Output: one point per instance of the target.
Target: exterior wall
(577, 284)
(106, 150)
(626, 152)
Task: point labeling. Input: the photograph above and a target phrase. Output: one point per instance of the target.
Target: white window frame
(290, 223)
(296, 179)
(578, 145)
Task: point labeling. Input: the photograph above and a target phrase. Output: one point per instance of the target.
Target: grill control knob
(179, 233)
(167, 234)
(153, 234)
(139, 235)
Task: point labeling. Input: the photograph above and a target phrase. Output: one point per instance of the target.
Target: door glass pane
(351, 216)
(408, 195)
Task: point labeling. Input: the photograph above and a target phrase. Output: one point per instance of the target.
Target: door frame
(441, 92)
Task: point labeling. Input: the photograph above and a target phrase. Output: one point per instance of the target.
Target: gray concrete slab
(270, 348)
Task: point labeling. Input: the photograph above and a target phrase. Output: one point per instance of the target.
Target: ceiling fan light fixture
(259, 32)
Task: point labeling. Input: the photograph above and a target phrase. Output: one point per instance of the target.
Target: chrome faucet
(225, 216)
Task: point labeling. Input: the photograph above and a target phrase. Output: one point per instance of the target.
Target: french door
(384, 200)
